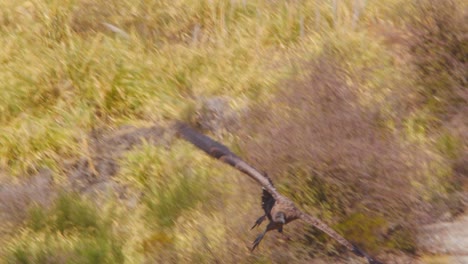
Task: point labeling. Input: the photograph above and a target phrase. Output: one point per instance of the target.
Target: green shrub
(72, 230)
(403, 239)
(172, 182)
(363, 229)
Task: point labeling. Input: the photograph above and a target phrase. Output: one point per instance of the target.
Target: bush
(339, 156)
(440, 53)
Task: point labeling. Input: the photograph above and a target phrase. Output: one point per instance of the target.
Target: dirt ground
(449, 240)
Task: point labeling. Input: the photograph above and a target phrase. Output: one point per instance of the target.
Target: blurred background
(356, 109)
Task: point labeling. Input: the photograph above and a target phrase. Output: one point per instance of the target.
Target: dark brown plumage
(278, 209)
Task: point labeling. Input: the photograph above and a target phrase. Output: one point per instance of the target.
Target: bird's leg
(286, 237)
(280, 230)
(259, 238)
(259, 221)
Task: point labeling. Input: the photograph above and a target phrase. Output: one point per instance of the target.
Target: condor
(278, 209)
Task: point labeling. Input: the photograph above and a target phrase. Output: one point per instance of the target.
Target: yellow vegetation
(71, 68)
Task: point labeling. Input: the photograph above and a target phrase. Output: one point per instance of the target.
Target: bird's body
(287, 208)
(278, 209)
(279, 212)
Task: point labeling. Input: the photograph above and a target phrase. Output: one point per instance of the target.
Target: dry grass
(364, 101)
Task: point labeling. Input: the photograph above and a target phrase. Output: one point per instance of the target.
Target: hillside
(356, 109)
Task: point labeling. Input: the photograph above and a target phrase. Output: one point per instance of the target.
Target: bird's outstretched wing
(333, 234)
(221, 152)
(267, 203)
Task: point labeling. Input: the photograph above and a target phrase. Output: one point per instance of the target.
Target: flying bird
(278, 209)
